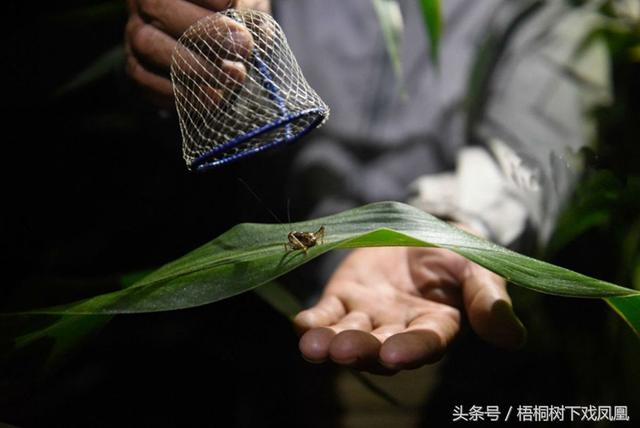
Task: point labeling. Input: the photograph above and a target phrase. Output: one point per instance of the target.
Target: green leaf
(89, 15)
(432, 15)
(591, 207)
(95, 71)
(63, 334)
(390, 18)
(628, 307)
(279, 299)
(250, 255)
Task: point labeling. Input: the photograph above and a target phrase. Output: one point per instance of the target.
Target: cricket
(297, 240)
(304, 240)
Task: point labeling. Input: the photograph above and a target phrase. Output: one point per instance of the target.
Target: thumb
(489, 308)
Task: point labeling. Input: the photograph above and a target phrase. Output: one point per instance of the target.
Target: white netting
(239, 89)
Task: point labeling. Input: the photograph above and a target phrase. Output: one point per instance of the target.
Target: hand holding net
(239, 89)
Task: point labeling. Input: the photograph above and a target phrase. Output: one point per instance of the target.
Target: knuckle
(142, 39)
(219, 4)
(134, 69)
(450, 313)
(132, 27)
(150, 7)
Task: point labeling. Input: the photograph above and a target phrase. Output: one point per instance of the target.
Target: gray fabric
(376, 143)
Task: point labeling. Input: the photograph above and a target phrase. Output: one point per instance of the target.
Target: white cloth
(476, 194)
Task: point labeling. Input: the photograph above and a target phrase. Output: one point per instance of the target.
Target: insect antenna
(297, 240)
(261, 202)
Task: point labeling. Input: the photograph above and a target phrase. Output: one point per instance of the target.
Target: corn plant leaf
(89, 15)
(628, 307)
(432, 16)
(250, 255)
(98, 69)
(279, 299)
(390, 19)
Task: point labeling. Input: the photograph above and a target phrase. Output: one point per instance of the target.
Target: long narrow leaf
(95, 71)
(628, 307)
(432, 15)
(250, 255)
(390, 18)
(89, 15)
(279, 299)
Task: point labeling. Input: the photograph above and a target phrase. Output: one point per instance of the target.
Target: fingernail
(234, 73)
(510, 332)
(390, 366)
(309, 360)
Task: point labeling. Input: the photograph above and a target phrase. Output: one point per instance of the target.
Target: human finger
(383, 332)
(315, 343)
(171, 16)
(149, 44)
(489, 308)
(261, 5)
(357, 349)
(209, 61)
(190, 67)
(354, 320)
(329, 310)
(216, 5)
(158, 88)
(435, 272)
(424, 341)
(219, 37)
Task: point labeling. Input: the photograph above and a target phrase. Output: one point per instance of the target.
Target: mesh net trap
(239, 89)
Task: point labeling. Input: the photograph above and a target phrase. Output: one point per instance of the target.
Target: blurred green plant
(605, 211)
(90, 14)
(389, 16)
(100, 68)
(390, 19)
(432, 15)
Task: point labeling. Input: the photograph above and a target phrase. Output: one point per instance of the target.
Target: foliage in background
(104, 65)
(599, 231)
(390, 19)
(602, 223)
(432, 15)
(608, 198)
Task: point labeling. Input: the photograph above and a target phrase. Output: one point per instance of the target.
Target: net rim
(202, 163)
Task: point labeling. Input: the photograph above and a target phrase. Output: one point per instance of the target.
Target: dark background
(95, 187)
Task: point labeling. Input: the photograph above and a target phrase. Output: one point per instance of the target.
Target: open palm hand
(393, 308)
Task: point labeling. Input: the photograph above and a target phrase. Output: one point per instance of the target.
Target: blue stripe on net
(203, 162)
